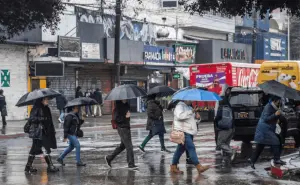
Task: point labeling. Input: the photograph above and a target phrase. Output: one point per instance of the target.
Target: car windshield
(244, 99)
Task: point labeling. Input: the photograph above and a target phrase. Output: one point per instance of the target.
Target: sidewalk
(14, 129)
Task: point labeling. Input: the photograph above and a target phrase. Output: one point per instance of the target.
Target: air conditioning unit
(169, 3)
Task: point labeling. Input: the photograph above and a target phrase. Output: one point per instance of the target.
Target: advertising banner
(158, 55)
(211, 81)
(90, 50)
(185, 54)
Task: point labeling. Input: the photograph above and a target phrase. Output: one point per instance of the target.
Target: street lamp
(117, 42)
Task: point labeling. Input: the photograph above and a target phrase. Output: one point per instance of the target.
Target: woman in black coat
(155, 123)
(42, 132)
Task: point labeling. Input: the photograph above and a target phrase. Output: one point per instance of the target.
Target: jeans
(189, 146)
(73, 143)
(149, 137)
(276, 149)
(62, 114)
(88, 109)
(97, 107)
(126, 143)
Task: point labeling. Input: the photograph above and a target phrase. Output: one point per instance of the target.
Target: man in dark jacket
(98, 97)
(3, 108)
(122, 117)
(61, 102)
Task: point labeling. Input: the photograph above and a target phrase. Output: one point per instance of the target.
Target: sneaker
(142, 149)
(60, 161)
(133, 167)
(108, 162)
(60, 121)
(279, 162)
(81, 164)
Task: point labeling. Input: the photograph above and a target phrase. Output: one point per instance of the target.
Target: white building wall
(14, 58)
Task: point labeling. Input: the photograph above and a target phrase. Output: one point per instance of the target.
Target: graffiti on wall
(131, 30)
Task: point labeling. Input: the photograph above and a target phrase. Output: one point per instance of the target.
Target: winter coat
(41, 117)
(120, 114)
(72, 124)
(218, 117)
(79, 94)
(61, 102)
(184, 119)
(154, 112)
(2, 102)
(98, 97)
(265, 130)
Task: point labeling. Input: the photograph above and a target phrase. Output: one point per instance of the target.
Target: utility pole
(254, 36)
(117, 42)
(289, 39)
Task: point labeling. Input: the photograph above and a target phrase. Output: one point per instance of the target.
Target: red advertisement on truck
(214, 75)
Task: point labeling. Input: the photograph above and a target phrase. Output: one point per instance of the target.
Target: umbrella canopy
(161, 91)
(81, 102)
(31, 97)
(125, 92)
(278, 89)
(196, 95)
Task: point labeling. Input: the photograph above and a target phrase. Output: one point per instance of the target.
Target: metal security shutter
(93, 76)
(65, 84)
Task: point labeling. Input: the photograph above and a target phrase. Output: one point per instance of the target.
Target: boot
(51, 167)
(201, 168)
(226, 162)
(175, 170)
(29, 168)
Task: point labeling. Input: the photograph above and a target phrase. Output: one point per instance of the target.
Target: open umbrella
(161, 91)
(83, 101)
(31, 97)
(125, 92)
(196, 95)
(278, 89)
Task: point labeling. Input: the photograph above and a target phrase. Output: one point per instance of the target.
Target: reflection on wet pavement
(154, 165)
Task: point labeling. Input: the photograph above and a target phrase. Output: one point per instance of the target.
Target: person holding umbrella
(265, 134)
(72, 124)
(42, 132)
(122, 117)
(155, 123)
(40, 126)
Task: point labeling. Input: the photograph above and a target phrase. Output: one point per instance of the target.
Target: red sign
(246, 77)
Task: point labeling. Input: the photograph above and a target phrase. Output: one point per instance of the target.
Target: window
(244, 99)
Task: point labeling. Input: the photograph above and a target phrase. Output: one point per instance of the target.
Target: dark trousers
(36, 148)
(126, 143)
(276, 149)
(3, 121)
(150, 136)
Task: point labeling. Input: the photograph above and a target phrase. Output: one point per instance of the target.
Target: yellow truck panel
(285, 72)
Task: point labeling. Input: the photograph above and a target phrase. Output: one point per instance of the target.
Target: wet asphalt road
(154, 165)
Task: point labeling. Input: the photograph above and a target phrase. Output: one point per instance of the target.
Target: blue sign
(159, 55)
(275, 47)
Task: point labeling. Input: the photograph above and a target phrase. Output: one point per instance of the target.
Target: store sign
(176, 76)
(236, 54)
(5, 78)
(185, 54)
(156, 55)
(275, 44)
(69, 48)
(90, 50)
(211, 81)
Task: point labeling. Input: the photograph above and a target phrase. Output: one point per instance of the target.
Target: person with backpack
(3, 109)
(72, 131)
(225, 130)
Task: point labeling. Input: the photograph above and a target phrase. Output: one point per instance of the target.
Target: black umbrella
(83, 101)
(125, 92)
(31, 97)
(161, 91)
(278, 89)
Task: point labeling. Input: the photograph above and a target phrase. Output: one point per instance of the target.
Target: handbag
(79, 133)
(177, 136)
(4, 111)
(35, 131)
(27, 127)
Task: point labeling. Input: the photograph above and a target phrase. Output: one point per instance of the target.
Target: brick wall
(13, 58)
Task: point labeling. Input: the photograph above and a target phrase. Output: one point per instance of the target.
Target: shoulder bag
(177, 136)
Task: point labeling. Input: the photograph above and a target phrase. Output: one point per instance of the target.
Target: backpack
(227, 118)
